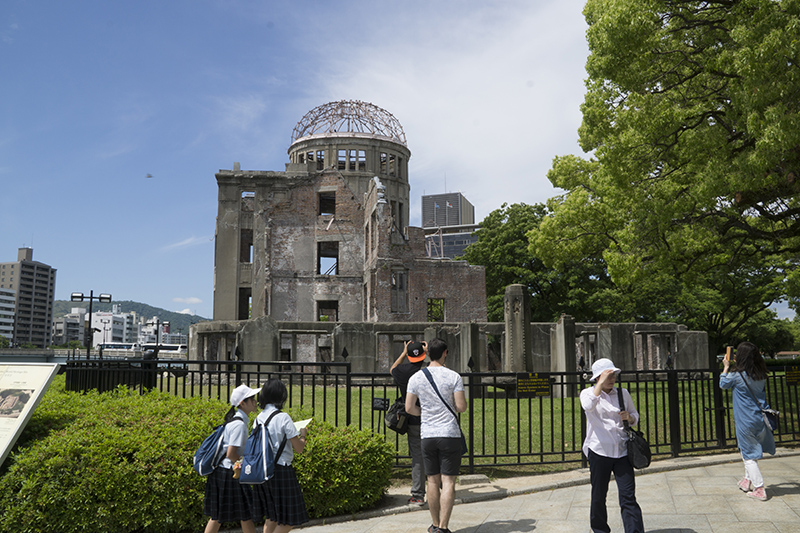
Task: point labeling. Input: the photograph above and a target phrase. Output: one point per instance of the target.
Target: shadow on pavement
(783, 489)
(503, 526)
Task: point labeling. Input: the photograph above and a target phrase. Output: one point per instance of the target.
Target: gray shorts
(442, 456)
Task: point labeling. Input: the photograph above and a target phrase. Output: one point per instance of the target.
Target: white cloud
(193, 300)
(487, 96)
(185, 243)
(185, 312)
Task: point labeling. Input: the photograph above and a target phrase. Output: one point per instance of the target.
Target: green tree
(575, 288)
(691, 117)
(4, 342)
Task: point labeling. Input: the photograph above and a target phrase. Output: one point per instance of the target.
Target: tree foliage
(577, 287)
(691, 117)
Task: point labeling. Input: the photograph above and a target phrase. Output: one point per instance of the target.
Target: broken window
(328, 311)
(399, 291)
(246, 246)
(435, 309)
(320, 159)
(245, 304)
(383, 161)
(342, 159)
(328, 258)
(327, 203)
(392, 164)
(248, 201)
(362, 160)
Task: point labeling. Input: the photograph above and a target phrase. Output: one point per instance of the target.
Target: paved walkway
(687, 494)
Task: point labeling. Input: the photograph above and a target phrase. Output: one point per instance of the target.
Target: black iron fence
(506, 423)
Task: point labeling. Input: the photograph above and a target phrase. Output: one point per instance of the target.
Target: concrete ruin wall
(373, 346)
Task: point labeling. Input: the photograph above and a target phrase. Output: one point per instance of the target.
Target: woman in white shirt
(605, 447)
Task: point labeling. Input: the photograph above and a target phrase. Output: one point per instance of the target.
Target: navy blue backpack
(210, 453)
(258, 460)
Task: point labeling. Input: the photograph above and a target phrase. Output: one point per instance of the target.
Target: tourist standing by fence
(440, 392)
(402, 371)
(753, 437)
(606, 448)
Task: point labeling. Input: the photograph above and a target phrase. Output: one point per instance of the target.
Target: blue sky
(97, 95)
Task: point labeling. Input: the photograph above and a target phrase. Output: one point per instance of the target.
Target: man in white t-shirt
(440, 431)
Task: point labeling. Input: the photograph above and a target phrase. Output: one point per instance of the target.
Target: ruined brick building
(328, 238)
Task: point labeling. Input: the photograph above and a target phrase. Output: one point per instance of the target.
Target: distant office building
(107, 328)
(35, 286)
(449, 222)
(8, 301)
(449, 209)
(70, 327)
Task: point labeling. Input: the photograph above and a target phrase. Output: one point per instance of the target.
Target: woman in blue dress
(752, 434)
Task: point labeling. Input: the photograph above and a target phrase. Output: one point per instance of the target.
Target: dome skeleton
(349, 116)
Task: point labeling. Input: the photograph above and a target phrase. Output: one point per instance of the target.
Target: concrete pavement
(686, 494)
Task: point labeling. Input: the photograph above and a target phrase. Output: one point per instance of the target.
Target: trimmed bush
(121, 462)
(343, 470)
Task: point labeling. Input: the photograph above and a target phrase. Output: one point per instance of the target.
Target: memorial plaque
(793, 375)
(533, 384)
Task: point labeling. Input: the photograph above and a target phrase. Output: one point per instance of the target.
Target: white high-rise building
(8, 298)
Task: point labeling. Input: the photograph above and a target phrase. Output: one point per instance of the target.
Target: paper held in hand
(302, 423)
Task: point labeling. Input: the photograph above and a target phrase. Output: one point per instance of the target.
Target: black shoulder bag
(638, 447)
(396, 417)
(770, 416)
(464, 448)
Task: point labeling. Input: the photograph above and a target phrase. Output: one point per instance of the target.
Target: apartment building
(35, 285)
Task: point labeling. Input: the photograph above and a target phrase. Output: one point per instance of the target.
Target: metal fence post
(471, 428)
(719, 407)
(674, 413)
(584, 459)
(348, 395)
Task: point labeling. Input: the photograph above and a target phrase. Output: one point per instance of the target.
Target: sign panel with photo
(21, 387)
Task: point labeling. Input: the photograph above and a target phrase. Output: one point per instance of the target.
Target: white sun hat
(241, 393)
(601, 365)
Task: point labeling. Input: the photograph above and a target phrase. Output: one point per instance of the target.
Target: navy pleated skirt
(280, 499)
(226, 499)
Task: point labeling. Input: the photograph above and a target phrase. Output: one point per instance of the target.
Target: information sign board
(793, 375)
(22, 386)
(533, 384)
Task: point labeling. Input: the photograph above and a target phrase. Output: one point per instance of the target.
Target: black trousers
(600, 468)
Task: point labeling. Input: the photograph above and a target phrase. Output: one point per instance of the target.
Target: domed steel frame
(350, 116)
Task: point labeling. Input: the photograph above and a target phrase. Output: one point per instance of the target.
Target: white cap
(601, 365)
(241, 393)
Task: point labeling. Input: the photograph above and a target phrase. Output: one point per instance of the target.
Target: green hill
(177, 321)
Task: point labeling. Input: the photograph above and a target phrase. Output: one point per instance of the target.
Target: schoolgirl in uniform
(280, 501)
(226, 500)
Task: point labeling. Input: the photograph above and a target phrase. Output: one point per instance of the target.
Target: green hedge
(120, 461)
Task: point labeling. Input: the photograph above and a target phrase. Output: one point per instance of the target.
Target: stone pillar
(604, 344)
(358, 338)
(258, 340)
(563, 347)
(518, 357)
(562, 355)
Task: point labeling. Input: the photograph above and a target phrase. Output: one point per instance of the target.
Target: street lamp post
(80, 297)
(158, 331)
